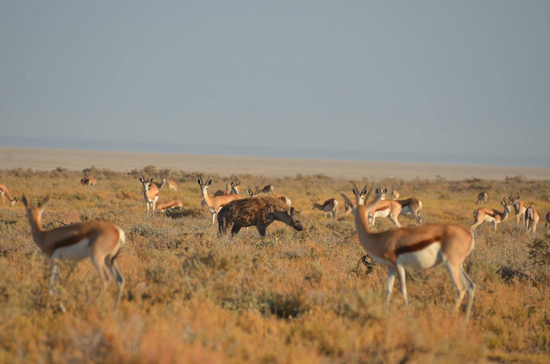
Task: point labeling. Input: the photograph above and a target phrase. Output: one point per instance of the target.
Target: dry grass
(293, 297)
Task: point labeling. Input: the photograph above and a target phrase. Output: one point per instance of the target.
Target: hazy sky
(438, 77)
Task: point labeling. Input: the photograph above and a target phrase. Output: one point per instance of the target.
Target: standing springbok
(420, 247)
(170, 184)
(168, 205)
(362, 194)
(531, 219)
(214, 203)
(482, 197)
(411, 206)
(232, 188)
(88, 181)
(150, 193)
(330, 206)
(485, 214)
(99, 240)
(4, 192)
(385, 208)
(519, 207)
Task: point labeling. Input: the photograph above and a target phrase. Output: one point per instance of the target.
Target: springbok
(385, 208)
(232, 188)
(285, 199)
(4, 192)
(171, 184)
(88, 181)
(395, 193)
(485, 214)
(531, 219)
(99, 240)
(411, 206)
(362, 194)
(214, 203)
(330, 206)
(420, 247)
(269, 189)
(150, 193)
(168, 205)
(519, 207)
(482, 197)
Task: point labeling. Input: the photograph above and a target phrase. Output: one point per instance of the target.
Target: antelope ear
(209, 182)
(140, 179)
(25, 201)
(151, 180)
(199, 181)
(44, 202)
(291, 211)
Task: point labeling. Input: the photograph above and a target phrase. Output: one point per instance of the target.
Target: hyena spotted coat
(259, 212)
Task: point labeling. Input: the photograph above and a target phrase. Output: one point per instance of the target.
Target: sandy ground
(48, 159)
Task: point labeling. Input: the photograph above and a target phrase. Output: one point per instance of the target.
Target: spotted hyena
(259, 212)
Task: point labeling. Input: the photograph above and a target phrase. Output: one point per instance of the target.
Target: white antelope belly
(422, 259)
(74, 252)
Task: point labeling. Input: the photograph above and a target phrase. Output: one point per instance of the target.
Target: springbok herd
(419, 247)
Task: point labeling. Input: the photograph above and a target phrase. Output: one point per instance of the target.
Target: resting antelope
(485, 214)
(279, 197)
(330, 206)
(4, 192)
(362, 194)
(384, 208)
(171, 184)
(519, 207)
(168, 205)
(88, 181)
(420, 247)
(482, 197)
(269, 189)
(232, 188)
(214, 203)
(531, 219)
(99, 240)
(150, 193)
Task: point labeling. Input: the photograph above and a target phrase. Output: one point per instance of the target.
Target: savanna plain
(294, 297)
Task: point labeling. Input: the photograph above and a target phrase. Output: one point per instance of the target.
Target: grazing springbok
(485, 214)
(232, 188)
(269, 189)
(214, 203)
(519, 207)
(385, 208)
(150, 193)
(168, 205)
(171, 184)
(330, 206)
(259, 212)
(419, 247)
(531, 219)
(482, 197)
(5, 192)
(362, 194)
(88, 181)
(99, 240)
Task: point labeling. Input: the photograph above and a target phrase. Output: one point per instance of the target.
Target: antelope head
(204, 186)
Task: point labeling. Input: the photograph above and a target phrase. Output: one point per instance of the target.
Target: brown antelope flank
(361, 198)
(485, 214)
(150, 193)
(5, 192)
(88, 181)
(99, 240)
(419, 247)
(531, 219)
(214, 203)
(259, 212)
(385, 208)
(482, 197)
(232, 188)
(519, 207)
(171, 184)
(330, 206)
(168, 205)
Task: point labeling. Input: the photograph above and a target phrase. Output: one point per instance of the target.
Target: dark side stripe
(416, 247)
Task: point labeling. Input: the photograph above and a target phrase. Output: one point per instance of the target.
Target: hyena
(259, 212)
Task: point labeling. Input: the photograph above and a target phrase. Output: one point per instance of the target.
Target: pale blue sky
(404, 79)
